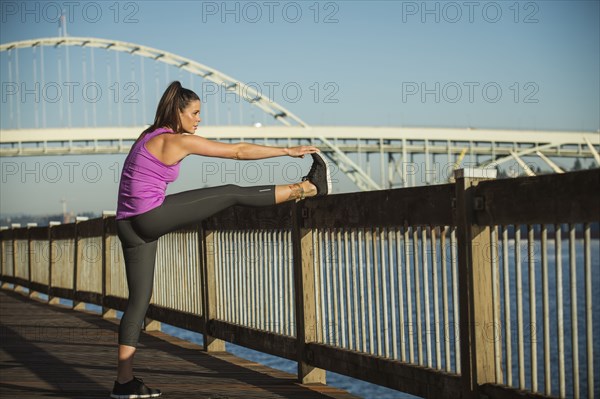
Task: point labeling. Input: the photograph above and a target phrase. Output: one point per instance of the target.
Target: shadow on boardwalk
(53, 352)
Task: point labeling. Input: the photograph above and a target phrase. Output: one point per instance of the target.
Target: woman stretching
(144, 213)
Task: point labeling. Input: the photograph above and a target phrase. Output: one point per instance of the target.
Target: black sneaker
(319, 174)
(133, 389)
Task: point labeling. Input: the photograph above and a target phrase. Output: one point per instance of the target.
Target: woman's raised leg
(191, 207)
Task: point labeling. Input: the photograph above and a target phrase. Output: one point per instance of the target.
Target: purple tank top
(144, 179)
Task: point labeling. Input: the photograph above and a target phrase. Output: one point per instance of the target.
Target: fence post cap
(82, 218)
(53, 223)
(476, 173)
(32, 224)
(109, 213)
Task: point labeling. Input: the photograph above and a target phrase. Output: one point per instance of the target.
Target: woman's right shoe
(133, 389)
(319, 174)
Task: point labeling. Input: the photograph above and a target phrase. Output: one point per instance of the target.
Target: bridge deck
(48, 351)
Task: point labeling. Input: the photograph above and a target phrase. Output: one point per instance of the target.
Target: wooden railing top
(504, 201)
(509, 201)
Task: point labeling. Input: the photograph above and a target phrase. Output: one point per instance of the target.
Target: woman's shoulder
(167, 147)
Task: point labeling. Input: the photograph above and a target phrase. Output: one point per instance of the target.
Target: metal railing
(478, 288)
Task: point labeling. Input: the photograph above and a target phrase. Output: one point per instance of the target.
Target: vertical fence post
(149, 323)
(10, 247)
(107, 312)
(17, 261)
(476, 304)
(32, 294)
(77, 305)
(52, 300)
(7, 240)
(48, 262)
(304, 288)
(7, 254)
(3, 232)
(209, 289)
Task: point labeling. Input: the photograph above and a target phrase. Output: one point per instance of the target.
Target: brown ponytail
(174, 100)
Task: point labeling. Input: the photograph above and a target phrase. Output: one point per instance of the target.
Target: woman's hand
(301, 150)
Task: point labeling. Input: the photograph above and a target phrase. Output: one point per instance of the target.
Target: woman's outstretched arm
(191, 144)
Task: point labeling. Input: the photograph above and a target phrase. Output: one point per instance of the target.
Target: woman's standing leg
(139, 265)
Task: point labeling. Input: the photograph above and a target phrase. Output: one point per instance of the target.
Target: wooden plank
(476, 306)
(494, 391)
(106, 312)
(76, 262)
(63, 231)
(482, 323)
(15, 280)
(39, 233)
(424, 206)
(7, 235)
(114, 302)
(209, 291)
(21, 233)
(188, 321)
(66, 293)
(248, 218)
(572, 197)
(38, 287)
(262, 341)
(412, 379)
(305, 299)
(89, 297)
(90, 228)
(110, 225)
(465, 297)
(80, 348)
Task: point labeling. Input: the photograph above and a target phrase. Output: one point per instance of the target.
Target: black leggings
(139, 238)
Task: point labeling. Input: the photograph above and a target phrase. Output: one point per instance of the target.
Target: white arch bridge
(371, 157)
(388, 156)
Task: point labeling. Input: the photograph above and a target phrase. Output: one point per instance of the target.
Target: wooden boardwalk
(49, 351)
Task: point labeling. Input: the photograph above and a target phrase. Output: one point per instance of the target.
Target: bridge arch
(354, 172)
(244, 91)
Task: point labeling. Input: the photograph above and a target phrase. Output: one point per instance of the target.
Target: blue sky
(374, 51)
(504, 64)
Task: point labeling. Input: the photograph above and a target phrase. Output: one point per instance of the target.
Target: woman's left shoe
(133, 389)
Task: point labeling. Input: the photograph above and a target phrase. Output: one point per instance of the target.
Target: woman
(144, 213)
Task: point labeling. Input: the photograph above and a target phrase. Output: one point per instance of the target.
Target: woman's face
(190, 117)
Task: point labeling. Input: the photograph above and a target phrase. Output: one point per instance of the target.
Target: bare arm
(191, 144)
